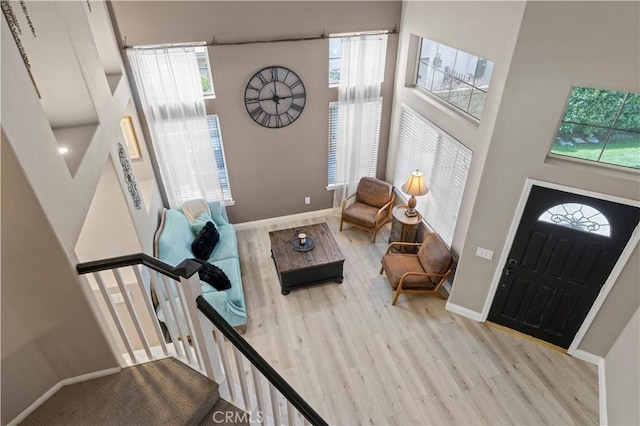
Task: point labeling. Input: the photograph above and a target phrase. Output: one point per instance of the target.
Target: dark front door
(564, 250)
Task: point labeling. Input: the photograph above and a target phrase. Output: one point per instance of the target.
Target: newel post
(202, 327)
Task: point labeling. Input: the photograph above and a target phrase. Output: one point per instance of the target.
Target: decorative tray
(307, 246)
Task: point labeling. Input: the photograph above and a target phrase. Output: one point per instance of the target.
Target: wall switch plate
(307, 200)
(484, 253)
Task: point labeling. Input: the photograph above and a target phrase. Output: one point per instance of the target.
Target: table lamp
(415, 185)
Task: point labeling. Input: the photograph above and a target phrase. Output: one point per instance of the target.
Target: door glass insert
(577, 216)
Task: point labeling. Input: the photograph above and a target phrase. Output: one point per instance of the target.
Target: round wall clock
(275, 97)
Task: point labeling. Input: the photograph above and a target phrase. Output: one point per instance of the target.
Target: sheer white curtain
(170, 90)
(361, 73)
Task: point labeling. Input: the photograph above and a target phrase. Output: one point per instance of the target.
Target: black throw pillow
(205, 242)
(213, 275)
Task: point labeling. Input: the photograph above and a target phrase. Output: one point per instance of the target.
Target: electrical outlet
(117, 298)
(307, 200)
(484, 253)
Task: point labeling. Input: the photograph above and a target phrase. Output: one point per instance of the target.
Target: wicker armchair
(370, 207)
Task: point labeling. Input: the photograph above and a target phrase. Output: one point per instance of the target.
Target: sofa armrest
(218, 213)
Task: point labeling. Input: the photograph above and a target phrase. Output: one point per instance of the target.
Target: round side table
(404, 229)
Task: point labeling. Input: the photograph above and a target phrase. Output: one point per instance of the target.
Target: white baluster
(290, 415)
(225, 363)
(168, 320)
(132, 312)
(256, 388)
(115, 316)
(176, 316)
(242, 378)
(149, 306)
(203, 329)
(273, 396)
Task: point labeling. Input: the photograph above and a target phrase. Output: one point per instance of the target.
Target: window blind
(218, 152)
(445, 164)
(340, 118)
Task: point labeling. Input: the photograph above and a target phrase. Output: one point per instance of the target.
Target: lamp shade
(415, 185)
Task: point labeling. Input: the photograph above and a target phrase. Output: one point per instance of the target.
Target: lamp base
(410, 212)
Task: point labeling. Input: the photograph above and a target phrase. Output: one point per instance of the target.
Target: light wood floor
(358, 360)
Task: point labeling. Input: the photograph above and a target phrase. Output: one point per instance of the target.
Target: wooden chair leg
(395, 297)
(398, 291)
(381, 268)
(341, 224)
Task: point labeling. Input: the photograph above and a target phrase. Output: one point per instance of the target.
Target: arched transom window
(577, 216)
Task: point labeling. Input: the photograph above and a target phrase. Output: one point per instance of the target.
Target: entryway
(563, 251)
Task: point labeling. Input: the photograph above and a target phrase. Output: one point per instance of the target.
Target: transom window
(581, 217)
(205, 72)
(602, 126)
(457, 77)
(335, 55)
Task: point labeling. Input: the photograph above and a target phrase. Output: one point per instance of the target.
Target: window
(444, 162)
(335, 54)
(338, 116)
(457, 77)
(602, 126)
(577, 216)
(205, 72)
(218, 152)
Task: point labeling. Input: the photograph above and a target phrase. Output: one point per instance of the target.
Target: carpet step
(159, 392)
(227, 414)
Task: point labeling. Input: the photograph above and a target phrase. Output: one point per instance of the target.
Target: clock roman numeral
(251, 100)
(253, 88)
(297, 83)
(274, 73)
(289, 117)
(279, 121)
(261, 78)
(297, 96)
(296, 107)
(265, 120)
(255, 113)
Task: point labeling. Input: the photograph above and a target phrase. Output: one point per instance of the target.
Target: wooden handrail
(185, 269)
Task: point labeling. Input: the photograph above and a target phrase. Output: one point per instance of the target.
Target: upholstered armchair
(370, 207)
(422, 273)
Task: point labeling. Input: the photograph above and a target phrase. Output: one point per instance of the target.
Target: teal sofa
(173, 245)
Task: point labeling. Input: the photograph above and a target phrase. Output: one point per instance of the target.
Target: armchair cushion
(361, 214)
(434, 256)
(396, 265)
(373, 192)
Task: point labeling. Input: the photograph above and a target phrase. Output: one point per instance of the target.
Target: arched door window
(581, 217)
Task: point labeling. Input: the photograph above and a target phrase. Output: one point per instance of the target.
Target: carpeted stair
(156, 393)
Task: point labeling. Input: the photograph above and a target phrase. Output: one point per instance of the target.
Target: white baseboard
(282, 219)
(55, 388)
(456, 309)
(586, 356)
(602, 393)
(602, 382)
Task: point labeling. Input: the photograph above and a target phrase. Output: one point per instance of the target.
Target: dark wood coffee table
(301, 269)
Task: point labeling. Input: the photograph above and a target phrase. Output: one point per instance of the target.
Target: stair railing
(195, 333)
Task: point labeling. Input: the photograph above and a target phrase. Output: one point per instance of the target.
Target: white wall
(549, 57)
(49, 331)
(271, 171)
(485, 29)
(623, 375)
